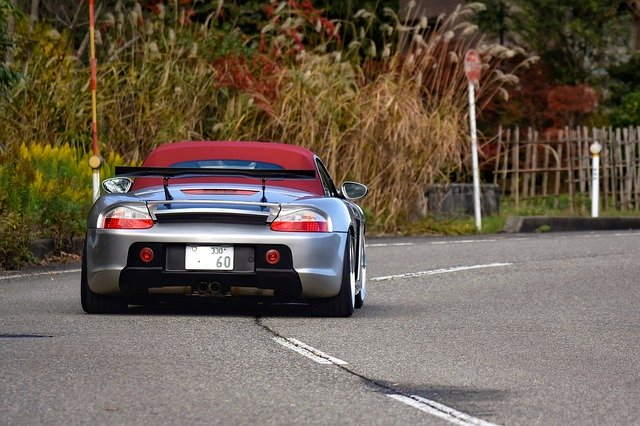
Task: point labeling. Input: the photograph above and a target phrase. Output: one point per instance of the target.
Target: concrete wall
(457, 199)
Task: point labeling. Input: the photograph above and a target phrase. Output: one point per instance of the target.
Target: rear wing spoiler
(171, 172)
(167, 173)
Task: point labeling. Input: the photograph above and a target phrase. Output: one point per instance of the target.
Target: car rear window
(228, 164)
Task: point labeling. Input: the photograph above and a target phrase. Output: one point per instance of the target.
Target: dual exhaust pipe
(209, 288)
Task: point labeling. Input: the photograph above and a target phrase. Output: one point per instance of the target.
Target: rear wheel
(342, 304)
(94, 303)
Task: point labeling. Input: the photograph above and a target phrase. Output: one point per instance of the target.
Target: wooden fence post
(619, 162)
(497, 156)
(534, 162)
(636, 172)
(580, 154)
(545, 164)
(570, 175)
(559, 166)
(605, 154)
(527, 164)
(505, 163)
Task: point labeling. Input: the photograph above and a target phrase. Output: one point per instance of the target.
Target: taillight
(305, 220)
(127, 218)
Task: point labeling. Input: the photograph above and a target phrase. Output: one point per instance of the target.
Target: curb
(519, 224)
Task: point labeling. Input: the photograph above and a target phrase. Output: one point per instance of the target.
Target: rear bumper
(284, 283)
(315, 268)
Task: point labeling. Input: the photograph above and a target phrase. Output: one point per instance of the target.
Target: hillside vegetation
(382, 102)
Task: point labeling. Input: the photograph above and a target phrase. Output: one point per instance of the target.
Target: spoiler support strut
(263, 180)
(165, 184)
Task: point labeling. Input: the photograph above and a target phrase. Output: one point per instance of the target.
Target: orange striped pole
(95, 161)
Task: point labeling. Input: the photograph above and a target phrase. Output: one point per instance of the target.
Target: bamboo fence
(557, 166)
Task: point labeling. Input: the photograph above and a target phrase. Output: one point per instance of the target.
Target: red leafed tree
(570, 105)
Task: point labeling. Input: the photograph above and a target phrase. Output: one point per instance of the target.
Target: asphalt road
(536, 329)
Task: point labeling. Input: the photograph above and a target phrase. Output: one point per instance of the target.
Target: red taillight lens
(127, 218)
(146, 255)
(115, 223)
(272, 257)
(300, 226)
(305, 220)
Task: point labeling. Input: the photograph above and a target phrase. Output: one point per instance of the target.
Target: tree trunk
(11, 24)
(634, 10)
(34, 14)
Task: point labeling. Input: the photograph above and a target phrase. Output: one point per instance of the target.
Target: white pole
(474, 156)
(96, 184)
(595, 149)
(595, 186)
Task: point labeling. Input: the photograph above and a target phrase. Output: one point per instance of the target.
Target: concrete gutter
(565, 224)
(44, 247)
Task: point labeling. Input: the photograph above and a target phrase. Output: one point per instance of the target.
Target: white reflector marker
(440, 410)
(308, 351)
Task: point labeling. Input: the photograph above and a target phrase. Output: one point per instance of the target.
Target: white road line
(503, 239)
(490, 240)
(37, 274)
(308, 351)
(438, 271)
(317, 352)
(389, 244)
(440, 410)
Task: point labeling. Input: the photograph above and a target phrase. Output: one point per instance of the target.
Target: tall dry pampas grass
(397, 123)
(381, 133)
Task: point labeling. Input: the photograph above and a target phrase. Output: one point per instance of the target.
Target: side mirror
(354, 190)
(117, 185)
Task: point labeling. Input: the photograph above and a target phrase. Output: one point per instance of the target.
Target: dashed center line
(438, 271)
(440, 410)
(423, 404)
(389, 244)
(308, 351)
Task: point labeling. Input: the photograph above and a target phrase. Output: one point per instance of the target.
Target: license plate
(210, 258)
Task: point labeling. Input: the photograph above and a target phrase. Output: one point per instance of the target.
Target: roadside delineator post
(595, 148)
(472, 69)
(95, 161)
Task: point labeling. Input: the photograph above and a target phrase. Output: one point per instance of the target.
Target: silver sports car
(226, 219)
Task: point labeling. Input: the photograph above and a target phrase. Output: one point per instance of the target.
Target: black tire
(342, 304)
(94, 303)
(362, 294)
(359, 302)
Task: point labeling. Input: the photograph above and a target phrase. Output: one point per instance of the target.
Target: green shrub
(628, 112)
(46, 193)
(14, 240)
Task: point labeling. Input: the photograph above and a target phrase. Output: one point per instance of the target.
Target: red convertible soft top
(290, 157)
